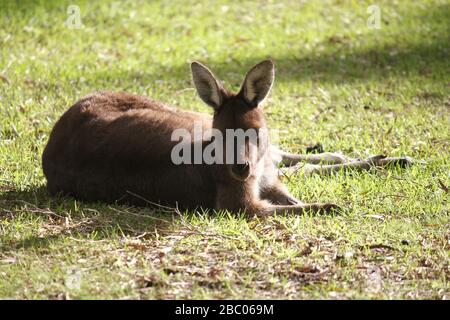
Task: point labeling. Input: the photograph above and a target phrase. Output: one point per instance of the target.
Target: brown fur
(108, 145)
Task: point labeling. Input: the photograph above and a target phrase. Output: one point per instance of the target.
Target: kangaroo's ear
(209, 90)
(258, 83)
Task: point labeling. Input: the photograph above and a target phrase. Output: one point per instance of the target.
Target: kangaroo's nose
(242, 170)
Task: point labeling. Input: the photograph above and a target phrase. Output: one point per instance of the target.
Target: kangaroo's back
(109, 144)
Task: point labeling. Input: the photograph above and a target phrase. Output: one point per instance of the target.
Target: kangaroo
(117, 147)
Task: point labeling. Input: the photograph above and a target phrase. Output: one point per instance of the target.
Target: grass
(352, 88)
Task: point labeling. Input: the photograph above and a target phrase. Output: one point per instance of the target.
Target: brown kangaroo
(117, 147)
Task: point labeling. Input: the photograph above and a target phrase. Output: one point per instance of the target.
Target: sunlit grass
(351, 88)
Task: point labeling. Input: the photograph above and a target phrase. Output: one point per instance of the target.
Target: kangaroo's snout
(241, 171)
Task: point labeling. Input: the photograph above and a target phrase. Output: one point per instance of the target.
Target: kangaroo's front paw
(403, 162)
(292, 201)
(376, 160)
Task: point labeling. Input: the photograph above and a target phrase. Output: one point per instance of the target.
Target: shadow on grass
(428, 61)
(336, 60)
(61, 217)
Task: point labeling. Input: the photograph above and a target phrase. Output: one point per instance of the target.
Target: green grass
(354, 89)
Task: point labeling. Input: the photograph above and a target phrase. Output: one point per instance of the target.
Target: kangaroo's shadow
(59, 217)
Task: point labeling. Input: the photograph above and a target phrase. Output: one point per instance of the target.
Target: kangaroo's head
(238, 117)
